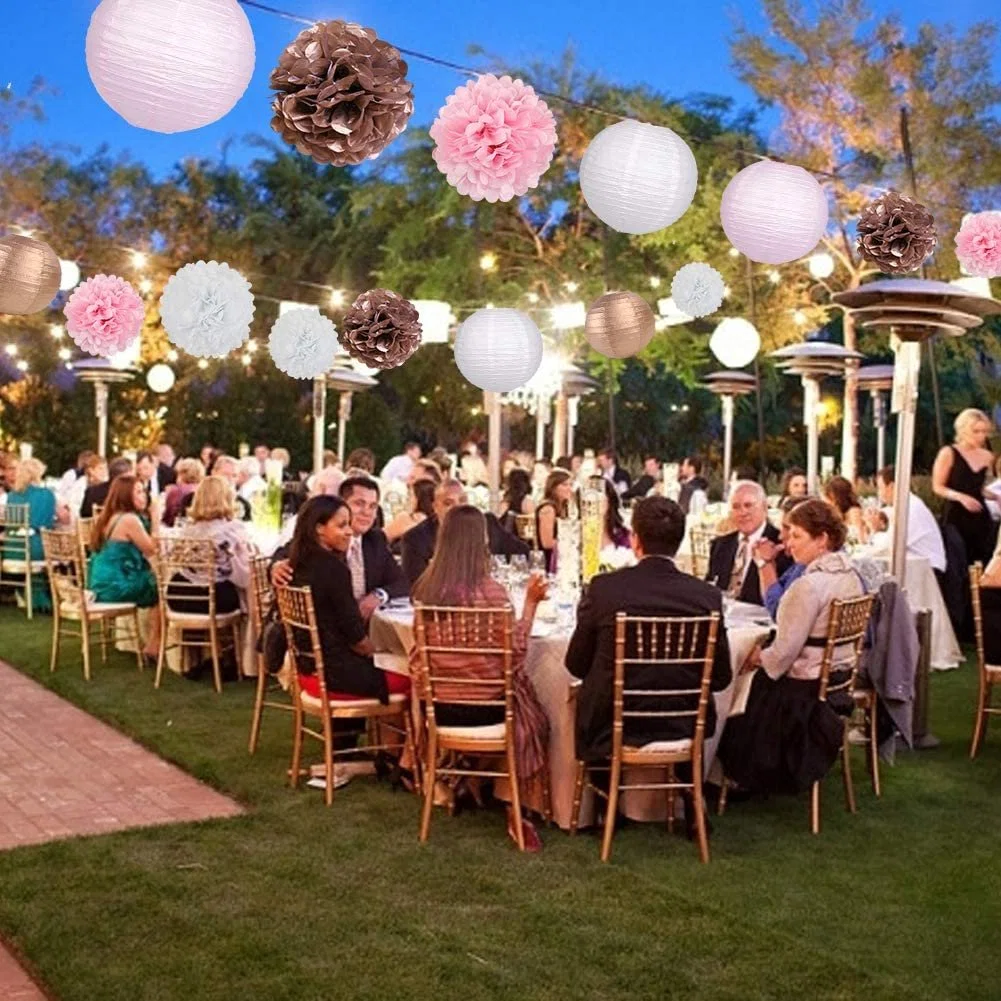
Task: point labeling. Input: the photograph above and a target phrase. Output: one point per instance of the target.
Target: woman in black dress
(555, 504)
(959, 475)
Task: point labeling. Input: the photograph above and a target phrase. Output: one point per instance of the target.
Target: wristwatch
(759, 562)
(382, 595)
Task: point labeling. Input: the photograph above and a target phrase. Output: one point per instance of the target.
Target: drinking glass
(537, 561)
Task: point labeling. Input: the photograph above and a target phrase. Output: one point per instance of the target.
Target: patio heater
(102, 373)
(727, 385)
(575, 384)
(878, 379)
(912, 310)
(347, 381)
(812, 361)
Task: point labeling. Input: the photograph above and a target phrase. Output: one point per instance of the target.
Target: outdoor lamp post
(812, 361)
(912, 309)
(347, 381)
(727, 385)
(574, 383)
(877, 379)
(103, 372)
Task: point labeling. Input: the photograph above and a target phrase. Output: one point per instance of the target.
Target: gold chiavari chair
(84, 528)
(71, 602)
(867, 703)
(17, 568)
(295, 605)
(262, 600)
(524, 528)
(701, 544)
(680, 650)
(443, 631)
(990, 674)
(177, 560)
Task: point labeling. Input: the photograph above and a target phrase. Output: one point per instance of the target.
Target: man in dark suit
(655, 586)
(646, 483)
(418, 544)
(619, 478)
(691, 479)
(734, 559)
(98, 493)
(165, 459)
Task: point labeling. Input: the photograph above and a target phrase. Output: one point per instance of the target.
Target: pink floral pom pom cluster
(104, 315)
(494, 138)
(978, 244)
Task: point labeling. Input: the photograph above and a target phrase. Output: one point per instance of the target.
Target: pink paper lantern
(170, 65)
(774, 213)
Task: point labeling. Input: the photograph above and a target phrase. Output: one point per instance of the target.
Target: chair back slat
(302, 634)
(15, 520)
(186, 571)
(66, 566)
(261, 594)
(846, 629)
(976, 572)
(701, 543)
(447, 636)
(677, 652)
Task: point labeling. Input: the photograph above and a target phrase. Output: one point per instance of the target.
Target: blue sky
(675, 46)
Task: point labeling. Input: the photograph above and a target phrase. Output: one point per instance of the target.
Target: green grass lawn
(294, 901)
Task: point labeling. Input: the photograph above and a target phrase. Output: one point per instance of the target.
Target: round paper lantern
(498, 349)
(170, 65)
(619, 324)
(735, 342)
(303, 343)
(638, 178)
(207, 309)
(698, 289)
(69, 275)
(160, 378)
(774, 212)
(29, 275)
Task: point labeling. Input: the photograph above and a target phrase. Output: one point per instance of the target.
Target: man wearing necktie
(732, 559)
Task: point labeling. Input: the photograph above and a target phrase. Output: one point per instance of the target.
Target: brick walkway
(15, 984)
(64, 773)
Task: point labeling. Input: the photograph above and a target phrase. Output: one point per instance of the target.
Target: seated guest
(614, 533)
(188, 474)
(67, 485)
(610, 469)
(283, 456)
(643, 486)
(360, 459)
(787, 739)
(249, 480)
(440, 457)
(95, 471)
(990, 608)
(97, 493)
(924, 536)
(146, 470)
(119, 570)
(655, 586)
(228, 468)
(425, 469)
(375, 575)
(794, 485)
(211, 517)
(41, 503)
(766, 552)
(459, 575)
(692, 481)
(517, 499)
(400, 466)
(555, 504)
(419, 543)
(733, 566)
(840, 494)
(323, 535)
(208, 455)
(420, 507)
(165, 460)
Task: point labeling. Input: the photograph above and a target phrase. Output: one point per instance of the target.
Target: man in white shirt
(248, 478)
(399, 467)
(924, 537)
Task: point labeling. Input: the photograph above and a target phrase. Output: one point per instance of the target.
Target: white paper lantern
(697, 289)
(303, 343)
(498, 349)
(436, 320)
(821, 265)
(170, 65)
(638, 178)
(774, 212)
(735, 342)
(207, 309)
(69, 275)
(160, 378)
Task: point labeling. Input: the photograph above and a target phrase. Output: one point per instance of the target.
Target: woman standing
(840, 494)
(959, 475)
(555, 504)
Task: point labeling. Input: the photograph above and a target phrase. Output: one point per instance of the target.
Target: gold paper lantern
(619, 324)
(29, 275)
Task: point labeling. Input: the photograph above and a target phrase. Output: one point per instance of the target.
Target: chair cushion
(18, 566)
(663, 747)
(72, 608)
(495, 731)
(192, 621)
(348, 701)
(992, 668)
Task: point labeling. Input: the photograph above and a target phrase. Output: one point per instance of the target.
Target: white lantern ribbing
(638, 178)
(170, 65)
(69, 275)
(774, 213)
(160, 378)
(735, 342)
(498, 349)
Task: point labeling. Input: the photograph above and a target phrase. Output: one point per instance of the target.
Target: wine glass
(537, 561)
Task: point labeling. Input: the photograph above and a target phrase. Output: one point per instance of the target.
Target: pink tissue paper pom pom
(978, 244)
(494, 138)
(104, 315)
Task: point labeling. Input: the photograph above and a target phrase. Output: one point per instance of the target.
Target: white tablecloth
(392, 634)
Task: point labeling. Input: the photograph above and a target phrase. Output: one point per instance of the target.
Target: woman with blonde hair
(959, 476)
(189, 473)
(459, 576)
(212, 517)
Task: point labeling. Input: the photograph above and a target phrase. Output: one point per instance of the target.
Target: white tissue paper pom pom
(303, 343)
(698, 289)
(207, 308)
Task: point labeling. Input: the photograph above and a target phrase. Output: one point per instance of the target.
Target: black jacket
(688, 488)
(96, 494)
(640, 488)
(621, 476)
(165, 475)
(419, 543)
(723, 552)
(654, 587)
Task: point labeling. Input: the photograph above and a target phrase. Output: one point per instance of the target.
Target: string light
(251, 346)
(774, 276)
(654, 281)
(338, 297)
(488, 261)
(203, 364)
(22, 365)
(532, 297)
(570, 286)
(800, 317)
(57, 330)
(246, 359)
(139, 259)
(172, 355)
(733, 252)
(11, 349)
(65, 354)
(145, 286)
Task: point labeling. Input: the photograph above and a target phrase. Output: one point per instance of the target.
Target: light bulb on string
(139, 259)
(821, 265)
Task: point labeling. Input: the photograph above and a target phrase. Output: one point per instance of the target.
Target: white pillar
(560, 426)
(727, 401)
(541, 420)
(319, 420)
(879, 419)
(101, 407)
(906, 369)
(573, 412)
(811, 398)
(492, 405)
(343, 416)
